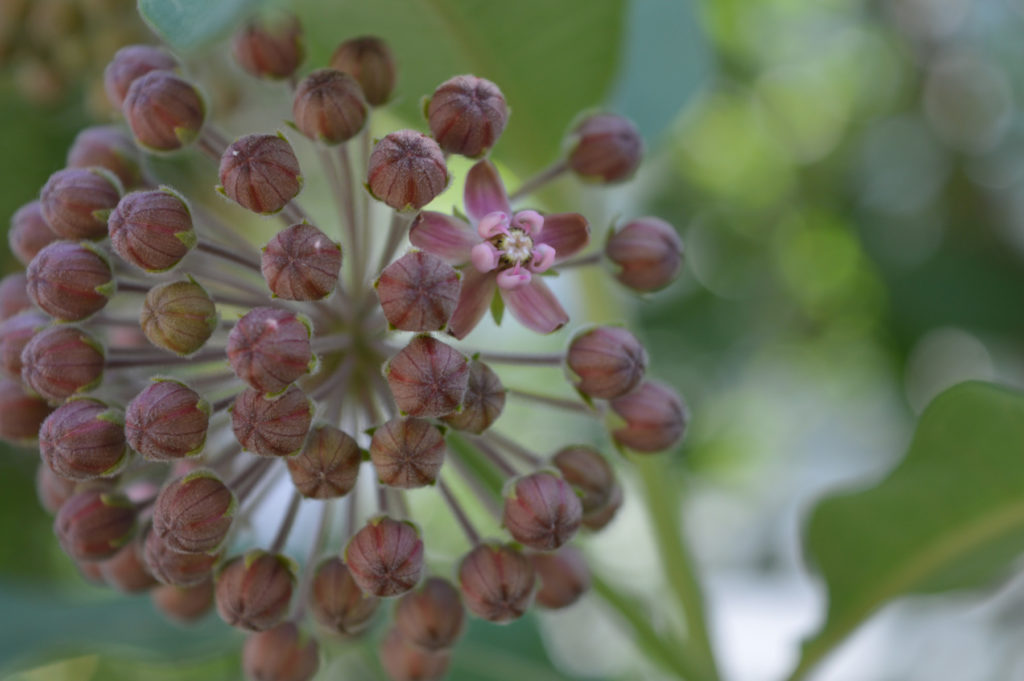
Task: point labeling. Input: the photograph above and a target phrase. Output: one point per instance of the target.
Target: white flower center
(516, 246)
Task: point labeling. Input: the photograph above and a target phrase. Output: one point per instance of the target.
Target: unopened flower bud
(404, 661)
(329, 106)
(467, 115)
(173, 567)
(260, 173)
(269, 348)
(589, 474)
(29, 232)
(274, 426)
(599, 518)
(432, 616)
(52, 489)
(654, 415)
(61, 361)
(107, 146)
(253, 590)
(15, 333)
(21, 414)
(152, 229)
(70, 281)
(269, 48)
(167, 421)
(184, 604)
(76, 202)
(94, 523)
(337, 602)
(497, 582)
(605, 148)
(193, 513)
(483, 402)
(648, 252)
(126, 571)
(328, 466)
(607, 361)
(385, 557)
(418, 292)
(301, 263)
(407, 453)
(369, 61)
(427, 378)
(542, 511)
(564, 577)
(179, 316)
(84, 439)
(407, 170)
(131, 63)
(14, 295)
(165, 112)
(283, 653)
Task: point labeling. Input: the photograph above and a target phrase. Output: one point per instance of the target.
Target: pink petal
(492, 225)
(484, 192)
(530, 221)
(485, 256)
(536, 307)
(513, 278)
(543, 258)
(446, 237)
(567, 233)
(474, 300)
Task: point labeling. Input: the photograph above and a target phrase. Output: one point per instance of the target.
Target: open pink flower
(502, 251)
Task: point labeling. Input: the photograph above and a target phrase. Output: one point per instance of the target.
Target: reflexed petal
(484, 192)
(530, 221)
(536, 307)
(446, 237)
(492, 225)
(543, 258)
(567, 233)
(474, 300)
(513, 279)
(485, 256)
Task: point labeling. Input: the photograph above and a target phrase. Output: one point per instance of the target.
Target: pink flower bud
(52, 489)
(407, 453)
(260, 173)
(14, 295)
(385, 557)
(173, 567)
(655, 418)
(61, 361)
(76, 202)
(328, 465)
(165, 112)
(648, 252)
(179, 317)
(29, 232)
(301, 263)
(184, 604)
(15, 333)
(329, 106)
(269, 348)
(254, 590)
(337, 602)
(270, 49)
(94, 523)
(84, 439)
(167, 421)
(542, 511)
(588, 473)
(605, 148)
(126, 571)
(70, 281)
(407, 170)
(272, 426)
(21, 414)
(427, 378)
(369, 61)
(107, 146)
(283, 653)
(432, 616)
(152, 229)
(483, 402)
(418, 292)
(564, 577)
(607, 361)
(497, 582)
(131, 63)
(193, 514)
(599, 518)
(467, 115)
(403, 661)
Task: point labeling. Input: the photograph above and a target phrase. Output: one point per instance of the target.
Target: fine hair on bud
(60, 361)
(385, 557)
(328, 465)
(194, 513)
(301, 263)
(483, 402)
(428, 378)
(542, 511)
(167, 420)
(164, 112)
(152, 229)
(75, 202)
(260, 173)
(84, 439)
(178, 316)
(407, 170)
(29, 232)
(130, 63)
(467, 115)
(407, 453)
(418, 292)
(254, 590)
(269, 349)
(70, 281)
(272, 426)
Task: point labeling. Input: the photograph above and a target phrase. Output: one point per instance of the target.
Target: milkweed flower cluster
(171, 372)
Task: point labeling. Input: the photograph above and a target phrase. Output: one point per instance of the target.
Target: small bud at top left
(76, 202)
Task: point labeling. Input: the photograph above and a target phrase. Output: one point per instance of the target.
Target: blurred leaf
(950, 516)
(75, 669)
(187, 24)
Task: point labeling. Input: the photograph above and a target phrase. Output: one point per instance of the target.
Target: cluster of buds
(173, 374)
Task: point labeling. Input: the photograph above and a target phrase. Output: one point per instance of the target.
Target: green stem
(477, 463)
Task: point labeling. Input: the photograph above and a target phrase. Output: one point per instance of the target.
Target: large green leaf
(950, 516)
(187, 24)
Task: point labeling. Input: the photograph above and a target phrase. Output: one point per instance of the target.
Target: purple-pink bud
(173, 567)
(607, 361)
(272, 426)
(152, 229)
(61, 361)
(369, 61)
(301, 263)
(589, 474)
(107, 146)
(432, 616)
(329, 106)
(467, 115)
(84, 439)
(648, 252)
(269, 49)
(94, 523)
(483, 402)
(254, 590)
(193, 513)
(337, 602)
(165, 112)
(407, 453)
(283, 653)
(260, 173)
(167, 421)
(52, 489)
(126, 571)
(184, 604)
(564, 577)
(15, 333)
(269, 348)
(328, 465)
(21, 414)
(29, 232)
(70, 281)
(385, 557)
(76, 202)
(427, 378)
(14, 295)
(597, 519)
(403, 661)
(407, 170)
(131, 63)
(179, 316)
(654, 418)
(418, 292)
(497, 582)
(605, 148)
(542, 511)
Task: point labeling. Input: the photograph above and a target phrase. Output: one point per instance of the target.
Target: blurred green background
(848, 179)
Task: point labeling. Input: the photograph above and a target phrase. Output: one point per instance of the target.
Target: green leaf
(497, 308)
(187, 24)
(950, 516)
